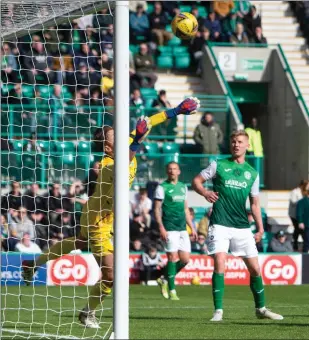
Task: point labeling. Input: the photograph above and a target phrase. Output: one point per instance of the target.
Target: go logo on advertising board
(280, 270)
(69, 270)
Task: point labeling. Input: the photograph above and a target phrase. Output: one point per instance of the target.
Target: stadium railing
(48, 166)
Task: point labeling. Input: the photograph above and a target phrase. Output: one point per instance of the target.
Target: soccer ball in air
(196, 280)
(184, 25)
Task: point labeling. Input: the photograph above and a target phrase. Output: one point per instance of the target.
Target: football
(196, 280)
(184, 25)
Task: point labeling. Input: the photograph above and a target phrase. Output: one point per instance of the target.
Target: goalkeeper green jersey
(234, 182)
(173, 197)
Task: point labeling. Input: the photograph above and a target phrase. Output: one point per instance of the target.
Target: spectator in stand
(8, 65)
(258, 37)
(280, 243)
(91, 180)
(200, 20)
(194, 223)
(171, 8)
(251, 21)
(18, 226)
(85, 57)
(32, 201)
(214, 27)
(91, 39)
(32, 145)
(208, 135)
(38, 65)
(223, 8)
(54, 203)
(107, 41)
(152, 264)
(255, 139)
(200, 40)
(199, 246)
(137, 102)
(11, 202)
(295, 196)
(204, 222)
(242, 9)
(106, 65)
(158, 21)
(239, 36)
(102, 19)
(77, 199)
(15, 97)
(302, 211)
(137, 246)
(62, 228)
(133, 5)
(161, 101)
(26, 246)
(4, 233)
(137, 227)
(144, 67)
(142, 205)
(139, 25)
(107, 84)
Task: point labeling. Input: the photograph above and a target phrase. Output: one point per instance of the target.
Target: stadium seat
(168, 28)
(18, 144)
(202, 11)
(165, 61)
(64, 146)
(170, 148)
(45, 146)
(199, 212)
(84, 146)
(165, 50)
(28, 91)
(267, 237)
(148, 102)
(174, 41)
(151, 148)
(177, 50)
(133, 48)
(145, 91)
(150, 8)
(182, 61)
(185, 8)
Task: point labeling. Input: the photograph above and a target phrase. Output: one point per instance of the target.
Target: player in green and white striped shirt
(234, 180)
(172, 215)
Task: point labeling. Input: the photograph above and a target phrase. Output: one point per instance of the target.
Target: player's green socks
(257, 289)
(218, 290)
(57, 250)
(171, 273)
(179, 266)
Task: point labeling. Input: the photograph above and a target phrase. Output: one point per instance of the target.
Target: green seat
(182, 61)
(18, 144)
(174, 41)
(267, 237)
(170, 148)
(202, 11)
(64, 146)
(164, 50)
(165, 61)
(177, 50)
(148, 102)
(151, 148)
(148, 92)
(84, 147)
(45, 91)
(150, 8)
(168, 28)
(133, 48)
(199, 212)
(45, 145)
(185, 8)
(27, 91)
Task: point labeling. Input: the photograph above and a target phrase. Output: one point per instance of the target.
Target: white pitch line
(44, 335)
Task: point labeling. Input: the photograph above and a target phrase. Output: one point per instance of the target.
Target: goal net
(56, 91)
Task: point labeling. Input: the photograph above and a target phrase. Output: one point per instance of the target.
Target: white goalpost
(48, 119)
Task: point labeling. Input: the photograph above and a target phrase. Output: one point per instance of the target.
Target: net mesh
(56, 90)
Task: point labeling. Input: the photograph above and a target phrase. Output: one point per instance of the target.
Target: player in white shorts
(234, 180)
(172, 215)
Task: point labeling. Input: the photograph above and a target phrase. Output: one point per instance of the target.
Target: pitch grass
(152, 317)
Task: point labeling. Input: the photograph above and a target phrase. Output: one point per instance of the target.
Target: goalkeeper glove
(143, 127)
(187, 107)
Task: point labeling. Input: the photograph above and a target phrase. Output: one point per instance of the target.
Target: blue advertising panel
(11, 269)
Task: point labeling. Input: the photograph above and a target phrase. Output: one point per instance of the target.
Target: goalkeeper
(97, 214)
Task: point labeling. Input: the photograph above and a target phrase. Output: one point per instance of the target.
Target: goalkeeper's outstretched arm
(187, 107)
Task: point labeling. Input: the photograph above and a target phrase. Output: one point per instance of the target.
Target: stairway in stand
(281, 27)
(177, 87)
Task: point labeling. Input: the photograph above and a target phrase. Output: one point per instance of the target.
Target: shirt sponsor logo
(179, 198)
(247, 175)
(232, 183)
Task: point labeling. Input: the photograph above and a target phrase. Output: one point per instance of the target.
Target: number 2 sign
(227, 61)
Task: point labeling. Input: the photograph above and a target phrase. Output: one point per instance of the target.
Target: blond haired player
(234, 180)
(97, 215)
